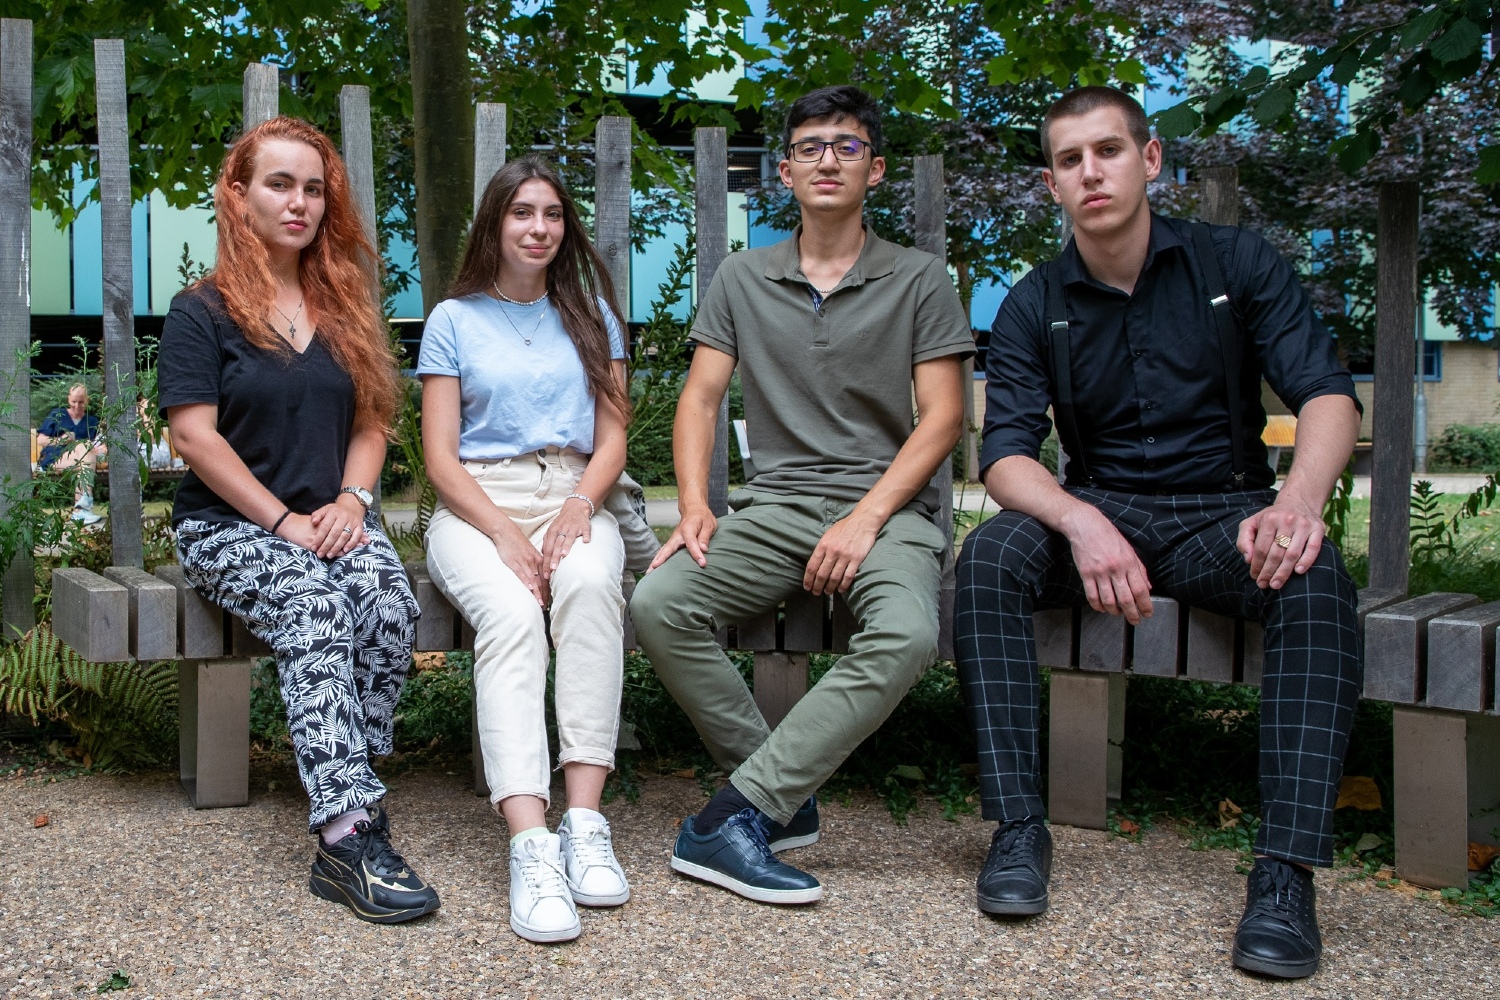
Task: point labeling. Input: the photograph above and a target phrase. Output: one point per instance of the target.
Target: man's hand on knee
(1280, 540)
(692, 533)
(839, 554)
(1114, 578)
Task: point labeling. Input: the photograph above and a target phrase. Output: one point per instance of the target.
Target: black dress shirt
(1148, 373)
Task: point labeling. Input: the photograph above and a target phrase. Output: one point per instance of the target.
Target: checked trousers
(1013, 565)
(342, 631)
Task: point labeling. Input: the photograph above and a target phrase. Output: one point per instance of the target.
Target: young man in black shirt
(1148, 337)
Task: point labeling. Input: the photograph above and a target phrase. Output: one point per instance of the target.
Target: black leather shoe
(1013, 881)
(1278, 935)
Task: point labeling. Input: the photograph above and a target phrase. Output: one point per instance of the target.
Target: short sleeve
(439, 355)
(714, 323)
(50, 426)
(1017, 380)
(612, 327)
(942, 327)
(190, 359)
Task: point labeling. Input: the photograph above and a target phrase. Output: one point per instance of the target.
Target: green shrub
(1464, 447)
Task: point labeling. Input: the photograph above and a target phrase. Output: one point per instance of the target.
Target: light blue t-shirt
(516, 397)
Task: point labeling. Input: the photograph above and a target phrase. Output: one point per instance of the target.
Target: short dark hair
(1086, 99)
(834, 102)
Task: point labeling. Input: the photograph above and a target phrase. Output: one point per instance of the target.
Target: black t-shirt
(287, 415)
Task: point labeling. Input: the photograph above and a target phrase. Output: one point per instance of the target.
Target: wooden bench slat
(200, 622)
(1101, 641)
(1396, 646)
(1210, 647)
(1161, 640)
(1056, 637)
(1461, 658)
(91, 615)
(757, 634)
(152, 613)
(803, 620)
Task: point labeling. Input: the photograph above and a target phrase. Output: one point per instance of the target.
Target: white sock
(524, 835)
(342, 825)
(577, 816)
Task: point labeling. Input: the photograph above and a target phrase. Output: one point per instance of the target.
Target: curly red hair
(340, 282)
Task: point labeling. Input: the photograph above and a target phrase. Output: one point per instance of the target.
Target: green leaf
(1420, 28)
(1458, 42)
(910, 772)
(1354, 151)
(1489, 166)
(1257, 76)
(1130, 71)
(1368, 842)
(1272, 106)
(1346, 69)
(1177, 121)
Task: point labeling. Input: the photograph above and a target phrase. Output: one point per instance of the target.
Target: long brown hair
(338, 271)
(576, 278)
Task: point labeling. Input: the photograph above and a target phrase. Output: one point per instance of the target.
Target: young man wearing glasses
(832, 330)
(1148, 338)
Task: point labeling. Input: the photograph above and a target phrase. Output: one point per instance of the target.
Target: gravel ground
(126, 876)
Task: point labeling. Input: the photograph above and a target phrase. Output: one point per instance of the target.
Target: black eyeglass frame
(825, 145)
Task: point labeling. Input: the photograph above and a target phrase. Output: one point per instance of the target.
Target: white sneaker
(86, 517)
(541, 909)
(85, 502)
(595, 878)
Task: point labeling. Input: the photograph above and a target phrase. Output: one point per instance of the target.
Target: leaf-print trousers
(342, 631)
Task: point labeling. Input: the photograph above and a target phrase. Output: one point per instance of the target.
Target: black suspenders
(1229, 348)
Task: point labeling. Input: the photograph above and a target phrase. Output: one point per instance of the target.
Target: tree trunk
(443, 123)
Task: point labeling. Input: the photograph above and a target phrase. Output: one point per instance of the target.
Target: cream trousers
(510, 633)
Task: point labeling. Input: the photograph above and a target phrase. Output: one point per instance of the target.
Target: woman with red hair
(278, 383)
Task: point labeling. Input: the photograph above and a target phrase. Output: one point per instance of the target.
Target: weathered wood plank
(1161, 640)
(213, 712)
(261, 94)
(1055, 637)
(1396, 646)
(91, 615)
(1210, 647)
(780, 680)
(758, 633)
(1461, 658)
(845, 625)
(120, 389)
(1219, 195)
(18, 586)
(1396, 364)
(437, 629)
(802, 626)
(153, 613)
(612, 140)
(1101, 641)
(358, 150)
(711, 222)
(200, 622)
(1081, 768)
(1430, 762)
(489, 146)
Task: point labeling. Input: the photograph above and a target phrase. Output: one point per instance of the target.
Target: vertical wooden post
(612, 203)
(1395, 367)
(262, 95)
(489, 146)
(1219, 195)
(119, 303)
(19, 585)
(359, 154)
(930, 206)
(359, 163)
(711, 225)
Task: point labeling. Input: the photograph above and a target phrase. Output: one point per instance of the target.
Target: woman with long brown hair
(278, 383)
(523, 421)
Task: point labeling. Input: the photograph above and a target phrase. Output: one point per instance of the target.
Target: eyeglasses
(811, 150)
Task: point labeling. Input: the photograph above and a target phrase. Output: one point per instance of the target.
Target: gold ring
(1285, 541)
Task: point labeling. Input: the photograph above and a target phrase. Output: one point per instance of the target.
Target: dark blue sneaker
(737, 857)
(801, 831)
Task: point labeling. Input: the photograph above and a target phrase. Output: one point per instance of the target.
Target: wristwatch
(361, 494)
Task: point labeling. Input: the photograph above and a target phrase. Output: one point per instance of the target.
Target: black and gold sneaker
(365, 873)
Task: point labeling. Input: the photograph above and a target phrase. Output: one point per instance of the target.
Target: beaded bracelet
(580, 496)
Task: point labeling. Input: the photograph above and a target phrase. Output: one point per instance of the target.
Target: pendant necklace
(506, 313)
(291, 321)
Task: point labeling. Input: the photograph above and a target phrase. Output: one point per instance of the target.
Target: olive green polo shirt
(828, 391)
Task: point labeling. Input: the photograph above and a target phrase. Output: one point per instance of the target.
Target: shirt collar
(876, 260)
(1164, 235)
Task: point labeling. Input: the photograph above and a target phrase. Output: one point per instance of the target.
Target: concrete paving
(125, 876)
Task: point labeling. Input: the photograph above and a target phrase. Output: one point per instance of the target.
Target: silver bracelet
(579, 496)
